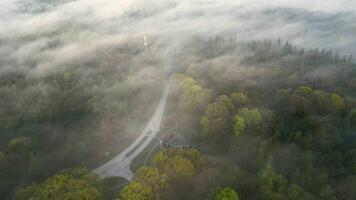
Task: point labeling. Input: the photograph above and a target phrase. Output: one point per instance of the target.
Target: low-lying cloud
(57, 31)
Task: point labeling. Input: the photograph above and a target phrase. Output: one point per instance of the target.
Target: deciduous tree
(226, 194)
(218, 116)
(76, 184)
(239, 99)
(136, 191)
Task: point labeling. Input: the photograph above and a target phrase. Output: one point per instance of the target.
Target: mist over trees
(264, 93)
(281, 135)
(72, 114)
(285, 135)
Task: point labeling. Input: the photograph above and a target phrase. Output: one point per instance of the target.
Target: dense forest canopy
(263, 97)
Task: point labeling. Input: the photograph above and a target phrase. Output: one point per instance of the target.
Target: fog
(78, 79)
(95, 37)
(29, 27)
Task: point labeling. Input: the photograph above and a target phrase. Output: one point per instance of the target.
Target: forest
(289, 134)
(261, 100)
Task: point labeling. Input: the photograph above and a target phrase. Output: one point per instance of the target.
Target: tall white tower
(145, 43)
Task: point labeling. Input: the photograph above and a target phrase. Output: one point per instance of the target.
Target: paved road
(120, 166)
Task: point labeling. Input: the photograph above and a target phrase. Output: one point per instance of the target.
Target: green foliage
(239, 99)
(346, 188)
(327, 193)
(336, 102)
(304, 90)
(67, 76)
(2, 164)
(252, 117)
(2, 158)
(239, 125)
(148, 183)
(246, 183)
(20, 144)
(310, 133)
(218, 117)
(305, 99)
(282, 94)
(226, 194)
(352, 119)
(76, 184)
(177, 164)
(150, 177)
(308, 130)
(136, 191)
(180, 167)
(70, 113)
(193, 98)
(297, 193)
(296, 136)
(169, 168)
(273, 185)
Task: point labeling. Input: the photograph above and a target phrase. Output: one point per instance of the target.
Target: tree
(20, 144)
(177, 164)
(252, 117)
(304, 90)
(180, 167)
(69, 185)
(175, 168)
(226, 194)
(191, 154)
(246, 183)
(327, 193)
(150, 177)
(238, 124)
(218, 116)
(239, 99)
(336, 102)
(3, 165)
(346, 189)
(321, 100)
(136, 191)
(273, 185)
(352, 119)
(193, 98)
(295, 193)
(328, 101)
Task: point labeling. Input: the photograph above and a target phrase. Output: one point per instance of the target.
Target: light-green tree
(76, 184)
(304, 90)
(169, 168)
(151, 177)
(336, 102)
(329, 102)
(175, 167)
(246, 120)
(218, 116)
(252, 116)
(239, 125)
(177, 164)
(136, 191)
(226, 193)
(193, 98)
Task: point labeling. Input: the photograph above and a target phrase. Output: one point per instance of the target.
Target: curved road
(120, 166)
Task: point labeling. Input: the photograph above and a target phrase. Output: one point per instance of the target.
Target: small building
(176, 141)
